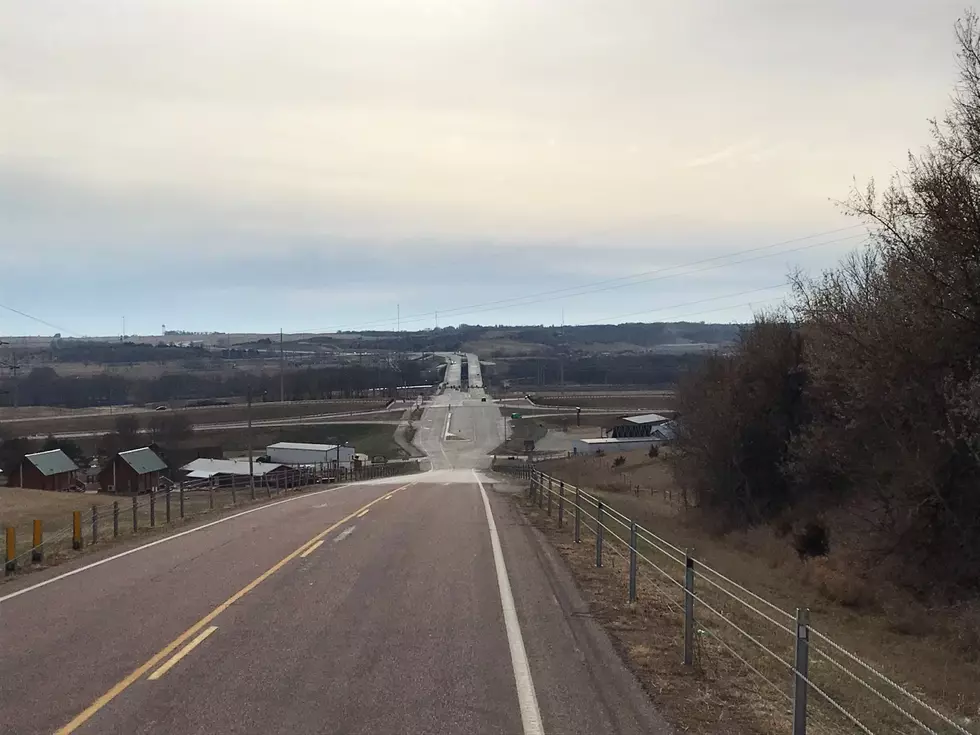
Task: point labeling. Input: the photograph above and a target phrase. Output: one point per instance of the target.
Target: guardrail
(166, 506)
(819, 680)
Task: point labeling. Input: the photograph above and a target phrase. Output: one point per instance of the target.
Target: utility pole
(399, 318)
(251, 472)
(282, 369)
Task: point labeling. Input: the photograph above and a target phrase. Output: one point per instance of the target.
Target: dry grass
(209, 415)
(934, 651)
(626, 401)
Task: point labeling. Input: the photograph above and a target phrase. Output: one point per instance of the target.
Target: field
(933, 650)
(627, 401)
(370, 439)
(105, 422)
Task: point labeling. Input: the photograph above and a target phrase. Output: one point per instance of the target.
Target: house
(219, 472)
(136, 471)
(297, 453)
(51, 470)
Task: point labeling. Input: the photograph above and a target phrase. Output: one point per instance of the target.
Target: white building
(297, 453)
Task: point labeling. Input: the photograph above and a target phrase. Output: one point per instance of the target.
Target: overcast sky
(240, 165)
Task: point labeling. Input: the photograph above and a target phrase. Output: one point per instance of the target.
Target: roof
(143, 461)
(624, 440)
(52, 462)
(666, 431)
(301, 445)
(205, 467)
(646, 418)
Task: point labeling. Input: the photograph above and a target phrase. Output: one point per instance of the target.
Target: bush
(654, 451)
(619, 461)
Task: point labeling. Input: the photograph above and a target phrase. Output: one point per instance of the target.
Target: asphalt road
(421, 605)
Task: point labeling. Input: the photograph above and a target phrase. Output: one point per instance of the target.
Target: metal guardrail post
(95, 523)
(561, 503)
(688, 609)
(153, 509)
(633, 561)
(115, 518)
(578, 516)
(598, 535)
(37, 545)
(801, 667)
(168, 505)
(76, 530)
(181, 491)
(11, 557)
(550, 493)
(135, 515)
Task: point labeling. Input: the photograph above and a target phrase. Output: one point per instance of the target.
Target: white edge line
(165, 539)
(526, 697)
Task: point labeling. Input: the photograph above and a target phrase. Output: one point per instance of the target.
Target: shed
(219, 472)
(298, 453)
(51, 470)
(632, 427)
(136, 471)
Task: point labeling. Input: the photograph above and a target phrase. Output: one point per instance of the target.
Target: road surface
(414, 605)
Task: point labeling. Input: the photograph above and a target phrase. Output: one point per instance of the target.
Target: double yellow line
(177, 642)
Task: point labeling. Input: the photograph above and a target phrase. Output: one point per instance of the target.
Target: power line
(37, 319)
(623, 281)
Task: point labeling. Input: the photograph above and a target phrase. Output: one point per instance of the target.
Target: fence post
(135, 515)
(252, 488)
(180, 489)
(578, 516)
(801, 667)
(210, 497)
(268, 489)
(598, 535)
(95, 523)
(115, 518)
(37, 547)
(561, 503)
(633, 561)
(168, 505)
(550, 493)
(233, 499)
(76, 530)
(688, 608)
(540, 490)
(11, 565)
(153, 509)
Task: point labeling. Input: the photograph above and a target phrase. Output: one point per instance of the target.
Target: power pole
(251, 473)
(282, 368)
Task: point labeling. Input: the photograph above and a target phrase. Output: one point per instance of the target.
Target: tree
(170, 428)
(75, 453)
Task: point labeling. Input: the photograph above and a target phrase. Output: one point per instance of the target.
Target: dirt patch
(933, 651)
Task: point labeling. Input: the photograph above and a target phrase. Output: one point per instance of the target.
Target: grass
(19, 507)
(209, 415)
(933, 651)
(627, 401)
(521, 430)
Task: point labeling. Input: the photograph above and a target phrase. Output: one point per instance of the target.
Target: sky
(251, 165)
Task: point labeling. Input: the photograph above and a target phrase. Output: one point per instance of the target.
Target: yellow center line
(183, 652)
(87, 714)
(365, 512)
(311, 549)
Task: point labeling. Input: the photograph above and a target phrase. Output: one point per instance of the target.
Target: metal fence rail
(164, 506)
(750, 628)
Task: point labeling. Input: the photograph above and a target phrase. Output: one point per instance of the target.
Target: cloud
(175, 133)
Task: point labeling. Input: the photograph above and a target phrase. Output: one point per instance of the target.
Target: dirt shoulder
(933, 652)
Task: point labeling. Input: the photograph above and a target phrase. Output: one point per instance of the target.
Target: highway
(421, 604)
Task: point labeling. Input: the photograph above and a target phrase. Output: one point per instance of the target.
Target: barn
(221, 472)
(51, 470)
(135, 471)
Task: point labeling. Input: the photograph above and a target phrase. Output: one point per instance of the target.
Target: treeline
(650, 370)
(44, 387)
(121, 353)
(857, 411)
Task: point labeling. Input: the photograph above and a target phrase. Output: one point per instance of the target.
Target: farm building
(220, 472)
(52, 470)
(633, 427)
(659, 433)
(135, 471)
(295, 453)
